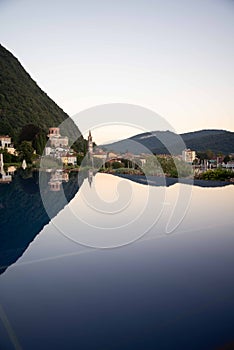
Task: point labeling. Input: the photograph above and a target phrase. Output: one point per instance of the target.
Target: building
(112, 155)
(139, 160)
(56, 140)
(58, 147)
(4, 178)
(188, 155)
(68, 159)
(5, 143)
(229, 165)
(99, 153)
(90, 145)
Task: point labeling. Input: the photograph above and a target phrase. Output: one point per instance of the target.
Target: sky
(175, 57)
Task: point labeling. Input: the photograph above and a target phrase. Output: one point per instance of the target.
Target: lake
(117, 265)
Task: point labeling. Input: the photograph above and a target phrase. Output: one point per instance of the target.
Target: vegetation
(26, 151)
(217, 175)
(22, 102)
(169, 166)
(114, 165)
(8, 158)
(154, 165)
(214, 141)
(26, 112)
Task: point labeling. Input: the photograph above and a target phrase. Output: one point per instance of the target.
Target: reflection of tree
(26, 173)
(48, 162)
(22, 213)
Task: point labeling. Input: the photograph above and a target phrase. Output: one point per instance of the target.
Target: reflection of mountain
(22, 214)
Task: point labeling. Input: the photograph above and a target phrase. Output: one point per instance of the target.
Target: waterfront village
(58, 150)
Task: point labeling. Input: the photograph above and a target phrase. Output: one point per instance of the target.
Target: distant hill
(155, 141)
(215, 140)
(22, 102)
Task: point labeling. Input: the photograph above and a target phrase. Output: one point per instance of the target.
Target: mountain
(161, 142)
(23, 103)
(215, 140)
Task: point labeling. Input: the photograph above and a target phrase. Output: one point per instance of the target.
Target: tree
(210, 154)
(217, 175)
(39, 142)
(117, 165)
(26, 151)
(226, 159)
(8, 157)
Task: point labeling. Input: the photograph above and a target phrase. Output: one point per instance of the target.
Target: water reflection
(162, 292)
(5, 177)
(57, 178)
(90, 176)
(22, 213)
(108, 211)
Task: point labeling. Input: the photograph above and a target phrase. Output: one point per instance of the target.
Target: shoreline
(170, 181)
(151, 180)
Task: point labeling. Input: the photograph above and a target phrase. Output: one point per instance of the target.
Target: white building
(5, 143)
(188, 155)
(4, 177)
(229, 165)
(69, 159)
(58, 147)
(56, 140)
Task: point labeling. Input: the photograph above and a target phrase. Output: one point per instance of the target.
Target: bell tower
(90, 145)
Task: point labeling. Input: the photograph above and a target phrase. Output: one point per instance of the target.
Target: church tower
(90, 145)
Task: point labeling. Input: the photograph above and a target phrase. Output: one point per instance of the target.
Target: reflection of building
(55, 186)
(4, 178)
(56, 180)
(90, 176)
(188, 155)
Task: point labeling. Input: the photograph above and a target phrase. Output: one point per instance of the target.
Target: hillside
(215, 140)
(200, 141)
(22, 102)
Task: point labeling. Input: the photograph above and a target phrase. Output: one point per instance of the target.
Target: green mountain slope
(219, 141)
(22, 102)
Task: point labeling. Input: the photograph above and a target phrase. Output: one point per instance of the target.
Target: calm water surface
(156, 288)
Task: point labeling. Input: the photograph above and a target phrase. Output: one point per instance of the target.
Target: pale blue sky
(173, 56)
